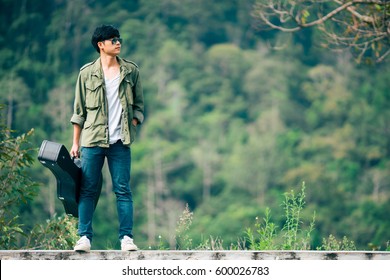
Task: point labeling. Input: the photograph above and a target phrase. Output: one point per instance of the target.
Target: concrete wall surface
(193, 255)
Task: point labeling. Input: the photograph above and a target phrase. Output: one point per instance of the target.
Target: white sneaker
(127, 244)
(83, 245)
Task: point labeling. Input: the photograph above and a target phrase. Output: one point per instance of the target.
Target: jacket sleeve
(79, 112)
(138, 97)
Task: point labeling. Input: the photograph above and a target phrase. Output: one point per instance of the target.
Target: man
(108, 107)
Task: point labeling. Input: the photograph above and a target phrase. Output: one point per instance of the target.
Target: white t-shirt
(114, 109)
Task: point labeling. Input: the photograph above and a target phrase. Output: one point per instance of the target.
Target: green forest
(236, 116)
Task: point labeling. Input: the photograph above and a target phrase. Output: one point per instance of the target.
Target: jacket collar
(98, 71)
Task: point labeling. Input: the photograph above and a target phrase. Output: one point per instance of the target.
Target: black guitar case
(67, 172)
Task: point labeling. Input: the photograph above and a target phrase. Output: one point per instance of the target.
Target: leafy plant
(183, 240)
(59, 233)
(293, 205)
(161, 244)
(292, 236)
(332, 244)
(212, 244)
(266, 234)
(16, 187)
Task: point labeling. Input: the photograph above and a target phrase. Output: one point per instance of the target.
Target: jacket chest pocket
(94, 104)
(94, 92)
(128, 90)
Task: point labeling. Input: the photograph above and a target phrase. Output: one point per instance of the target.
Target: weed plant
(183, 240)
(293, 235)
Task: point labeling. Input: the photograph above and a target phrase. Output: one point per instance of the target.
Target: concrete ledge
(193, 255)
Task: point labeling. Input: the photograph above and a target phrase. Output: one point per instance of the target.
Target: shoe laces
(82, 240)
(127, 240)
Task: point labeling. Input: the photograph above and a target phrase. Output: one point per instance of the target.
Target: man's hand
(74, 152)
(135, 122)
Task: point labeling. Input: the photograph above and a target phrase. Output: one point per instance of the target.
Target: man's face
(111, 46)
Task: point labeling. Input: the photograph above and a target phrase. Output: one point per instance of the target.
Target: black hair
(102, 33)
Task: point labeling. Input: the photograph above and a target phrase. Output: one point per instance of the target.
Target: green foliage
(332, 244)
(10, 229)
(293, 206)
(213, 244)
(161, 245)
(58, 233)
(292, 236)
(183, 240)
(16, 188)
(266, 234)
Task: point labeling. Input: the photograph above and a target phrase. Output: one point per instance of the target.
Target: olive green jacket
(90, 104)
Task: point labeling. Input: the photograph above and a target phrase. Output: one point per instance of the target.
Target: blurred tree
(15, 95)
(59, 108)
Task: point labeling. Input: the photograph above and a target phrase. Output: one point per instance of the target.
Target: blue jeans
(119, 163)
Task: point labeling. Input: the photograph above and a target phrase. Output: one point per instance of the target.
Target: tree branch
(358, 24)
(359, 16)
(328, 16)
(380, 59)
(274, 26)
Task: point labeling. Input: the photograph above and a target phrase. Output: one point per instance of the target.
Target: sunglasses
(115, 40)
